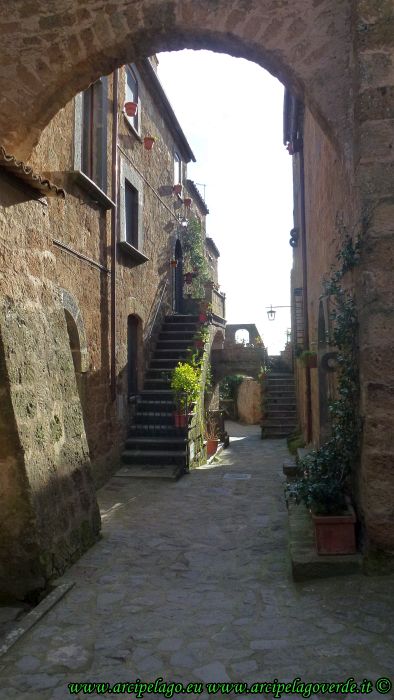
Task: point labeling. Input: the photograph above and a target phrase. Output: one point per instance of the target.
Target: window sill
(138, 257)
(96, 194)
(132, 128)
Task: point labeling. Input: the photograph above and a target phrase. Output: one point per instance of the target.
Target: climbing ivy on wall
(326, 471)
(194, 256)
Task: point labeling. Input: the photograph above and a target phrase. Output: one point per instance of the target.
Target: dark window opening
(132, 94)
(94, 133)
(131, 214)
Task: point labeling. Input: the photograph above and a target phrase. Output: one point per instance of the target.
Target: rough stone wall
(58, 433)
(249, 402)
(374, 112)
(330, 209)
(47, 492)
(50, 54)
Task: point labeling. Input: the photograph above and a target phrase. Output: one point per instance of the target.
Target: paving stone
(226, 608)
(212, 672)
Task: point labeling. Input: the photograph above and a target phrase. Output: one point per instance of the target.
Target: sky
(231, 111)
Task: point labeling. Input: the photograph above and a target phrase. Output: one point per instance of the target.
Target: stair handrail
(152, 324)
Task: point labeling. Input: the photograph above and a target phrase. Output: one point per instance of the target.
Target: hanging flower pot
(187, 202)
(131, 108)
(148, 142)
(173, 263)
(177, 189)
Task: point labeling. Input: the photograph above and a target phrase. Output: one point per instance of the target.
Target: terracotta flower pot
(180, 419)
(311, 362)
(335, 534)
(131, 108)
(212, 446)
(177, 189)
(173, 263)
(187, 202)
(148, 142)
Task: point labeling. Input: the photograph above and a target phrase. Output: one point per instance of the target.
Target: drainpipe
(114, 229)
(305, 288)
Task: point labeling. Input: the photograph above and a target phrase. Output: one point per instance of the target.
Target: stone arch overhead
(51, 53)
(70, 304)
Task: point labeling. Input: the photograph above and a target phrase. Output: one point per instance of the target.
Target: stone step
(172, 344)
(170, 472)
(151, 384)
(168, 326)
(145, 430)
(154, 456)
(280, 413)
(174, 442)
(181, 318)
(174, 334)
(163, 363)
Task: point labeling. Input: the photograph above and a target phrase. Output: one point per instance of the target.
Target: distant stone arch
(242, 336)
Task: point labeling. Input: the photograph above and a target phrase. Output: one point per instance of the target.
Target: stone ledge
(305, 562)
(34, 616)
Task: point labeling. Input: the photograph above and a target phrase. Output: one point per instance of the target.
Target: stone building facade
(88, 283)
(335, 57)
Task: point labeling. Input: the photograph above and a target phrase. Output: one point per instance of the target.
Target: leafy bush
(185, 382)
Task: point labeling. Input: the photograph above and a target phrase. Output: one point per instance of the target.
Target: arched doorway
(178, 279)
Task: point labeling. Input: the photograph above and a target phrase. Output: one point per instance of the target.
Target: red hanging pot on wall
(177, 189)
(148, 142)
(187, 202)
(131, 108)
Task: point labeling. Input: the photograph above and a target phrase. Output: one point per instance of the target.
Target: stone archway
(51, 55)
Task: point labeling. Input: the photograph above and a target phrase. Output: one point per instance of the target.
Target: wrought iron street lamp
(272, 312)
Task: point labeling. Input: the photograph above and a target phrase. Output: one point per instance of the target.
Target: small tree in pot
(185, 383)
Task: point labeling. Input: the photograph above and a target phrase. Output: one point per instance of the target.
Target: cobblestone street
(191, 582)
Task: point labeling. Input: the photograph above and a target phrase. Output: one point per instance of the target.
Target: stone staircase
(280, 415)
(155, 447)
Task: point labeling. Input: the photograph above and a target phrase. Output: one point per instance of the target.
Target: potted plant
(148, 142)
(131, 108)
(201, 338)
(187, 202)
(185, 383)
(177, 189)
(211, 436)
(309, 359)
(323, 488)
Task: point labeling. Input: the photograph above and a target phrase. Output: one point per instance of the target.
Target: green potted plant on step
(185, 383)
(309, 359)
(211, 436)
(323, 487)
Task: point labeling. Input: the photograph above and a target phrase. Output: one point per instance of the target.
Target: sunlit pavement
(191, 582)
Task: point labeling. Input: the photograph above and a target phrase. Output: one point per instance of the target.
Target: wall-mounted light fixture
(272, 312)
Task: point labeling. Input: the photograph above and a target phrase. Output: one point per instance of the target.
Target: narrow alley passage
(191, 582)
